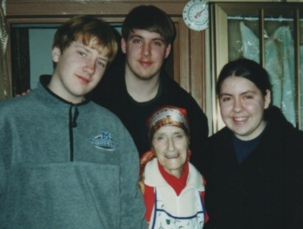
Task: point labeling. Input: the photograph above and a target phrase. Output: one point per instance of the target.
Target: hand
(24, 93)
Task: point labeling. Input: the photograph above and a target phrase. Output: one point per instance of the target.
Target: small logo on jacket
(104, 141)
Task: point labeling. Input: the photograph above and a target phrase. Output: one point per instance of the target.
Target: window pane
(280, 64)
(243, 33)
(244, 41)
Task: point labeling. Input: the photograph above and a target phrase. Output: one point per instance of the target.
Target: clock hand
(198, 14)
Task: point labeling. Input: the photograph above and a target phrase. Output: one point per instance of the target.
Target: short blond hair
(86, 29)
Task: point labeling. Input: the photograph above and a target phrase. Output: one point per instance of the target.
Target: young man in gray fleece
(66, 162)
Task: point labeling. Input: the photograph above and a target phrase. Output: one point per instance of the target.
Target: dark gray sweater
(54, 174)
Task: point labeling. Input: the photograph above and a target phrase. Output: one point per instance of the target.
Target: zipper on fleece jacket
(73, 114)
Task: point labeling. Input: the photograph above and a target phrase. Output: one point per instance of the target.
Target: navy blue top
(244, 148)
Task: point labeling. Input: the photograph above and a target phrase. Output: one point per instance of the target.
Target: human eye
(179, 136)
(160, 138)
(247, 97)
(81, 53)
(225, 98)
(158, 43)
(101, 63)
(137, 41)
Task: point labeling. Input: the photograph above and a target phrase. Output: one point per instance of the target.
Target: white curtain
(279, 63)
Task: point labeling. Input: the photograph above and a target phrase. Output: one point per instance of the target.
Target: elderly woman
(173, 189)
(256, 173)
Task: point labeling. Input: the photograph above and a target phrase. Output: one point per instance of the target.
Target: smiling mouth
(241, 119)
(83, 79)
(145, 63)
(172, 156)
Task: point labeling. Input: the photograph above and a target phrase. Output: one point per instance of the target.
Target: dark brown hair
(152, 19)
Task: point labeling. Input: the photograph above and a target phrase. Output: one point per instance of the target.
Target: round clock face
(195, 14)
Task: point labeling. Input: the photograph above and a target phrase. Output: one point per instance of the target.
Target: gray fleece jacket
(66, 166)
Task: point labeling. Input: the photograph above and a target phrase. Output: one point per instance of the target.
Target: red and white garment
(170, 204)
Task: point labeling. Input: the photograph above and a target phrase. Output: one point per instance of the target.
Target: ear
(267, 99)
(167, 50)
(56, 53)
(152, 149)
(188, 154)
(123, 45)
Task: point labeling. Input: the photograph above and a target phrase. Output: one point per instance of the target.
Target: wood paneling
(188, 49)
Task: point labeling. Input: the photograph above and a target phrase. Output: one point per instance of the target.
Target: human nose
(237, 105)
(90, 66)
(146, 49)
(171, 145)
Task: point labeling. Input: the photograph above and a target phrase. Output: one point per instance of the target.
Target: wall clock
(195, 14)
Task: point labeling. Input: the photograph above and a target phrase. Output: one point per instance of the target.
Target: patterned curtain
(4, 78)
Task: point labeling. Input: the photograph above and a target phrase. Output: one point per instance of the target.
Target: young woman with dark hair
(257, 160)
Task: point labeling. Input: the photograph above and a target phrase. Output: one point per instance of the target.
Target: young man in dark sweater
(137, 85)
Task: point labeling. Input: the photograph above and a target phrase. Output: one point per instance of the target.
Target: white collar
(153, 177)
